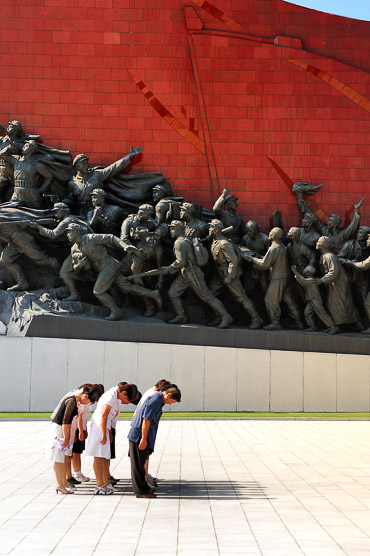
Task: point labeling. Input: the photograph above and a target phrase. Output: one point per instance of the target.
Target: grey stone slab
(85, 362)
(154, 363)
(253, 380)
(286, 381)
(187, 370)
(15, 356)
(220, 379)
(353, 382)
(320, 381)
(157, 331)
(48, 372)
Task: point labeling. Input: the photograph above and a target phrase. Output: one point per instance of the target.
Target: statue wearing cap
(225, 210)
(190, 275)
(331, 227)
(13, 138)
(57, 167)
(107, 269)
(167, 208)
(225, 255)
(20, 242)
(64, 218)
(31, 176)
(135, 222)
(87, 179)
(105, 219)
(194, 227)
(309, 234)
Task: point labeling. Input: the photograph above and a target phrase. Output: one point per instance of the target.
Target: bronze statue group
(96, 231)
(71, 432)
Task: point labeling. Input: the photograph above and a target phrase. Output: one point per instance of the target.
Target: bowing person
(143, 434)
(100, 435)
(60, 438)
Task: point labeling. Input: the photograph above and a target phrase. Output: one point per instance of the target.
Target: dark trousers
(138, 459)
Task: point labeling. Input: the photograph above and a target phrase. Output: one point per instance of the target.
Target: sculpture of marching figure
(331, 228)
(225, 255)
(340, 304)
(190, 276)
(96, 256)
(276, 261)
(314, 300)
(87, 179)
(225, 209)
(363, 266)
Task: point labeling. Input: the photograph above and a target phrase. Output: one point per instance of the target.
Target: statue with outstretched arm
(87, 179)
(331, 228)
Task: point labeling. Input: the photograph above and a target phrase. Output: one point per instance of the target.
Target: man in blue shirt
(143, 434)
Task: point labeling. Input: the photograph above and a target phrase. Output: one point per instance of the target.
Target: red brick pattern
(248, 79)
(179, 127)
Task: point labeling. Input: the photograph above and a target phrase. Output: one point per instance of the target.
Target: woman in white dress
(100, 436)
(60, 440)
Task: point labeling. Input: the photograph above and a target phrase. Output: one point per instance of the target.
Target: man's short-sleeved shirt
(152, 411)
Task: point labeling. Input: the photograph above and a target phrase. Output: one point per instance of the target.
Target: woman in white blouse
(98, 442)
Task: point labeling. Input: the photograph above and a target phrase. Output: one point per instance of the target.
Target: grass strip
(210, 414)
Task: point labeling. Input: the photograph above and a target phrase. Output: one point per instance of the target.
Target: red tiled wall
(223, 94)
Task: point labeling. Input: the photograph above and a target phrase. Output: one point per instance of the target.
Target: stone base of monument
(137, 328)
(53, 345)
(35, 372)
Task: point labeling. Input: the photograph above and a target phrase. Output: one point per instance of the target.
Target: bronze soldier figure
(299, 254)
(276, 261)
(331, 229)
(340, 304)
(194, 227)
(20, 242)
(94, 249)
(362, 266)
(314, 303)
(13, 139)
(228, 271)
(31, 176)
(87, 179)
(167, 208)
(357, 250)
(225, 210)
(191, 276)
(143, 219)
(105, 219)
(64, 218)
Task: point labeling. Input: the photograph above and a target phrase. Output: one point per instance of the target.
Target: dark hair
(137, 399)
(86, 385)
(175, 393)
(163, 386)
(160, 382)
(130, 389)
(94, 392)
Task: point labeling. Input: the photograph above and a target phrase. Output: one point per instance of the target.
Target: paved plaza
(228, 487)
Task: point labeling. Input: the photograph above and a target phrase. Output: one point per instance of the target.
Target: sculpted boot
(21, 283)
(180, 317)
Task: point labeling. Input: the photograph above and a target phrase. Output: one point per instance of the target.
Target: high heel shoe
(62, 490)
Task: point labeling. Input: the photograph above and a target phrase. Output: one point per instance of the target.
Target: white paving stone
(251, 488)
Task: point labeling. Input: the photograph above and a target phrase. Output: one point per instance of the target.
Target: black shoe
(73, 481)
